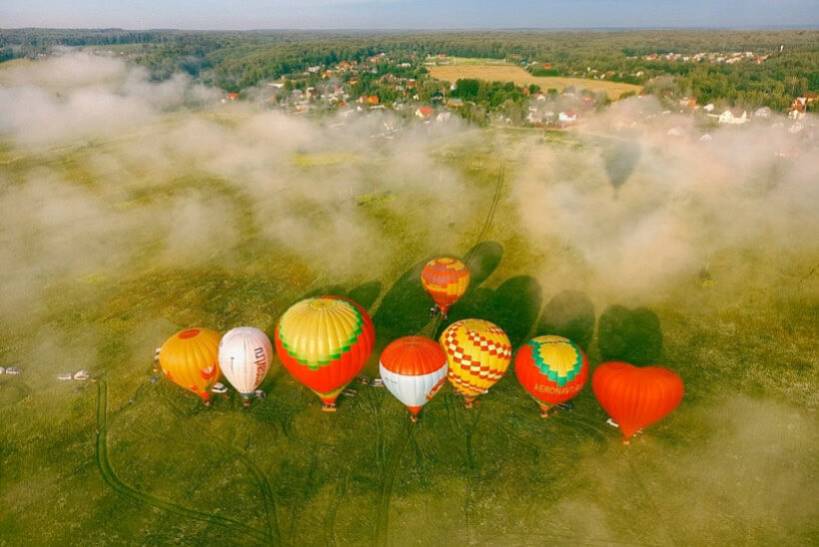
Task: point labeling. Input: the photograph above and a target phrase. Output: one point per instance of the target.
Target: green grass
(123, 460)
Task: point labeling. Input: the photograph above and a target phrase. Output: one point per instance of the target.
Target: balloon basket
(436, 311)
(413, 418)
(331, 407)
(469, 404)
(544, 412)
(246, 403)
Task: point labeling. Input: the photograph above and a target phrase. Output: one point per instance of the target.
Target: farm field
(497, 71)
(117, 231)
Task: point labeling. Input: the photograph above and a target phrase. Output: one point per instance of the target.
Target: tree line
(238, 60)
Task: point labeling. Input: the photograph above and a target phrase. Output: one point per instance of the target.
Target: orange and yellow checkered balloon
(478, 353)
(445, 279)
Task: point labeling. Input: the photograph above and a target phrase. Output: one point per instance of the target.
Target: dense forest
(238, 60)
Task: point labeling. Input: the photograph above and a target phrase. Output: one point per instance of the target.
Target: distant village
(412, 94)
(402, 86)
(350, 87)
(717, 58)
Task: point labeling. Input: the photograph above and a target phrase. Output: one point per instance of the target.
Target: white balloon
(245, 354)
(413, 391)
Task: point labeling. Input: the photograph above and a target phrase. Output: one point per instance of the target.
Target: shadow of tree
(569, 314)
(629, 335)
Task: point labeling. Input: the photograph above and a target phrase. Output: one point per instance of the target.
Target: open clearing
(498, 71)
(114, 240)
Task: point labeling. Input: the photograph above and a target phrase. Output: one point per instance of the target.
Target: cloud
(76, 96)
(644, 224)
(173, 177)
(112, 174)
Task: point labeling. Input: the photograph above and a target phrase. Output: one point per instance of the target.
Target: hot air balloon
(636, 397)
(189, 358)
(413, 369)
(445, 280)
(324, 342)
(478, 353)
(245, 354)
(552, 369)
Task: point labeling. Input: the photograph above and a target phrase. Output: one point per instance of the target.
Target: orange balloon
(636, 397)
(190, 359)
(445, 279)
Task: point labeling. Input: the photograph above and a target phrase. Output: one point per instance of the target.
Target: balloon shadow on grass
(620, 158)
(513, 306)
(405, 308)
(569, 314)
(365, 294)
(630, 335)
(482, 260)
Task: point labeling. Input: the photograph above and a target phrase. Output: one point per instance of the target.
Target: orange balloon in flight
(190, 359)
(636, 397)
(446, 280)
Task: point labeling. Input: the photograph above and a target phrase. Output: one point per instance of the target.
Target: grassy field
(500, 71)
(123, 460)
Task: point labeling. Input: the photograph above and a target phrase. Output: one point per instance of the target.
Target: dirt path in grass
(109, 475)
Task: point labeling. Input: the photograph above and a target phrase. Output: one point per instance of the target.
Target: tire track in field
(476, 413)
(259, 479)
(391, 470)
(110, 477)
(382, 515)
(493, 207)
(598, 433)
(670, 540)
(332, 513)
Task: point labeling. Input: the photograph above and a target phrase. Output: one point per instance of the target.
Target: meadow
(117, 231)
(500, 71)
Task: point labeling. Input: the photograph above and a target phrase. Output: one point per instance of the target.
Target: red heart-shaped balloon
(636, 397)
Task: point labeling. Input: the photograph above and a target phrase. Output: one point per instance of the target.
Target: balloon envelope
(189, 358)
(324, 343)
(413, 368)
(478, 353)
(445, 279)
(636, 397)
(245, 354)
(552, 369)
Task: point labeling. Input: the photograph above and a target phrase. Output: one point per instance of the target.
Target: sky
(415, 14)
